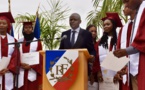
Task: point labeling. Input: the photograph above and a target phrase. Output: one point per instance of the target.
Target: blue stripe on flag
(37, 29)
(52, 56)
(12, 31)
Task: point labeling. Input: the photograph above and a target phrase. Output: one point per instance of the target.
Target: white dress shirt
(76, 34)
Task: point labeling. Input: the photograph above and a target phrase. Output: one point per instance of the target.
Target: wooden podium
(82, 78)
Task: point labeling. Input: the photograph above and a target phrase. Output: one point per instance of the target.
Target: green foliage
(51, 22)
(100, 9)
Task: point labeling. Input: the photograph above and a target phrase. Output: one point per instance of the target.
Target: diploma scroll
(113, 63)
(4, 62)
(30, 58)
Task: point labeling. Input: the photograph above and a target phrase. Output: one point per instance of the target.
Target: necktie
(73, 38)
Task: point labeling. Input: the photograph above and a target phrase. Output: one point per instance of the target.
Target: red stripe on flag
(72, 73)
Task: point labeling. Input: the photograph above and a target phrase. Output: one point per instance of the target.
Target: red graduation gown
(124, 86)
(13, 62)
(96, 65)
(37, 84)
(139, 44)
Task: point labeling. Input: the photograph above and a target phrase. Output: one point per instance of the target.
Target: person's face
(28, 29)
(133, 4)
(74, 21)
(93, 31)
(127, 11)
(108, 26)
(3, 25)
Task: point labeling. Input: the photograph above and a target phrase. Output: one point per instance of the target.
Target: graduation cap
(115, 17)
(25, 23)
(28, 23)
(7, 15)
(36, 26)
(103, 19)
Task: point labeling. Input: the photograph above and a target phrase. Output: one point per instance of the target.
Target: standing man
(136, 50)
(123, 42)
(77, 37)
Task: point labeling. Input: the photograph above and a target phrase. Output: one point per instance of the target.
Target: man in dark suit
(77, 37)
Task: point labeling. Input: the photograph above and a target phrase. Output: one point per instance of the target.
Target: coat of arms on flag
(62, 68)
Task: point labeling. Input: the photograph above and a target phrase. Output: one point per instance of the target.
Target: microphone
(63, 37)
(59, 39)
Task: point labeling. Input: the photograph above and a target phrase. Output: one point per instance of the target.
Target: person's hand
(2, 72)
(120, 53)
(25, 66)
(40, 87)
(123, 71)
(92, 79)
(99, 76)
(91, 58)
(117, 77)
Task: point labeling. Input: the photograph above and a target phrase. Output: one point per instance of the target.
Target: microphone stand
(17, 47)
(18, 63)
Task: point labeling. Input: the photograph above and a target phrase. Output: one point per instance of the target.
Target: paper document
(30, 58)
(4, 62)
(113, 63)
(108, 84)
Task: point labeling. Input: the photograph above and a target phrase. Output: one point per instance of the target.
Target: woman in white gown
(106, 44)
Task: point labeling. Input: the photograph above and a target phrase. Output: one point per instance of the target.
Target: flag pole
(38, 9)
(36, 15)
(9, 7)
(17, 53)
(9, 10)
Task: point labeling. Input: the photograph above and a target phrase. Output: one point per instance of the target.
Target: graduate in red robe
(136, 50)
(26, 47)
(108, 43)
(94, 69)
(7, 74)
(123, 42)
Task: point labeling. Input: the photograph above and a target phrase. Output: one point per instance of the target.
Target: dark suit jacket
(84, 40)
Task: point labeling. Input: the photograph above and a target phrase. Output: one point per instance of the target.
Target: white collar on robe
(3, 36)
(33, 45)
